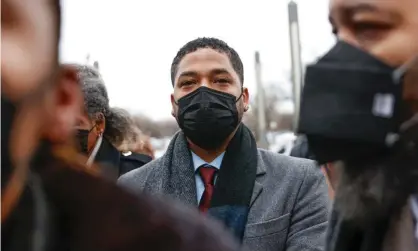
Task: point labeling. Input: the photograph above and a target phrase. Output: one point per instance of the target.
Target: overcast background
(135, 41)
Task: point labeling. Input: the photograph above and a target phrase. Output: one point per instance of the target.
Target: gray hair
(96, 100)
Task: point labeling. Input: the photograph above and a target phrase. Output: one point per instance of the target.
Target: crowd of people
(78, 174)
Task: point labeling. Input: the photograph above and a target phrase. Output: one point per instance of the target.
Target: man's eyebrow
(188, 74)
(361, 7)
(351, 8)
(185, 74)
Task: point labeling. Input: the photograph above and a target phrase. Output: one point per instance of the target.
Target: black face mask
(351, 105)
(8, 111)
(83, 138)
(207, 117)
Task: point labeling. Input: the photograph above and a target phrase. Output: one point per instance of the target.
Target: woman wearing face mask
(101, 129)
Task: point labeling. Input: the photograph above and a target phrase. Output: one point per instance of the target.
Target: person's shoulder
(137, 157)
(130, 161)
(142, 172)
(280, 164)
(299, 176)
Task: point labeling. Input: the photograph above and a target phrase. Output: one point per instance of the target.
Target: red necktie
(207, 173)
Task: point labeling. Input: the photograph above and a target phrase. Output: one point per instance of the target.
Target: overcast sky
(135, 41)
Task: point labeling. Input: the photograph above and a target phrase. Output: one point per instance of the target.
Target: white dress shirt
(198, 162)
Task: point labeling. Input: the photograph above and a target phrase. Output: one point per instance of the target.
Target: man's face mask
(207, 117)
(10, 110)
(14, 172)
(352, 105)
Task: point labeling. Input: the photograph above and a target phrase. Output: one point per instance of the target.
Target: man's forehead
(365, 4)
(204, 59)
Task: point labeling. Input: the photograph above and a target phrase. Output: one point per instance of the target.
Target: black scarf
(232, 195)
(234, 186)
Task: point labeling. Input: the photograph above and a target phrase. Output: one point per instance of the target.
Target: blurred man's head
(39, 101)
(30, 37)
(373, 185)
(387, 29)
(210, 63)
(35, 93)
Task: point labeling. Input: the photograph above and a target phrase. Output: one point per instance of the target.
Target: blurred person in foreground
(360, 110)
(269, 201)
(301, 150)
(101, 129)
(49, 200)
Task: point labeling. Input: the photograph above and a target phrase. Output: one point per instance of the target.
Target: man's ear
(64, 106)
(173, 106)
(246, 98)
(100, 123)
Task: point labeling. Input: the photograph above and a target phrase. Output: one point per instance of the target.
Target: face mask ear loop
(240, 96)
(398, 77)
(400, 72)
(91, 129)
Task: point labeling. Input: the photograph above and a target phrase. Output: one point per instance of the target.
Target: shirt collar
(197, 161)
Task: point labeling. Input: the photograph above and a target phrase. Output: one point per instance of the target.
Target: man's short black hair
(212, 43)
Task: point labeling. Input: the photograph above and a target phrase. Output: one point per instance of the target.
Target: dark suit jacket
(132, 161)
(115, 164)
